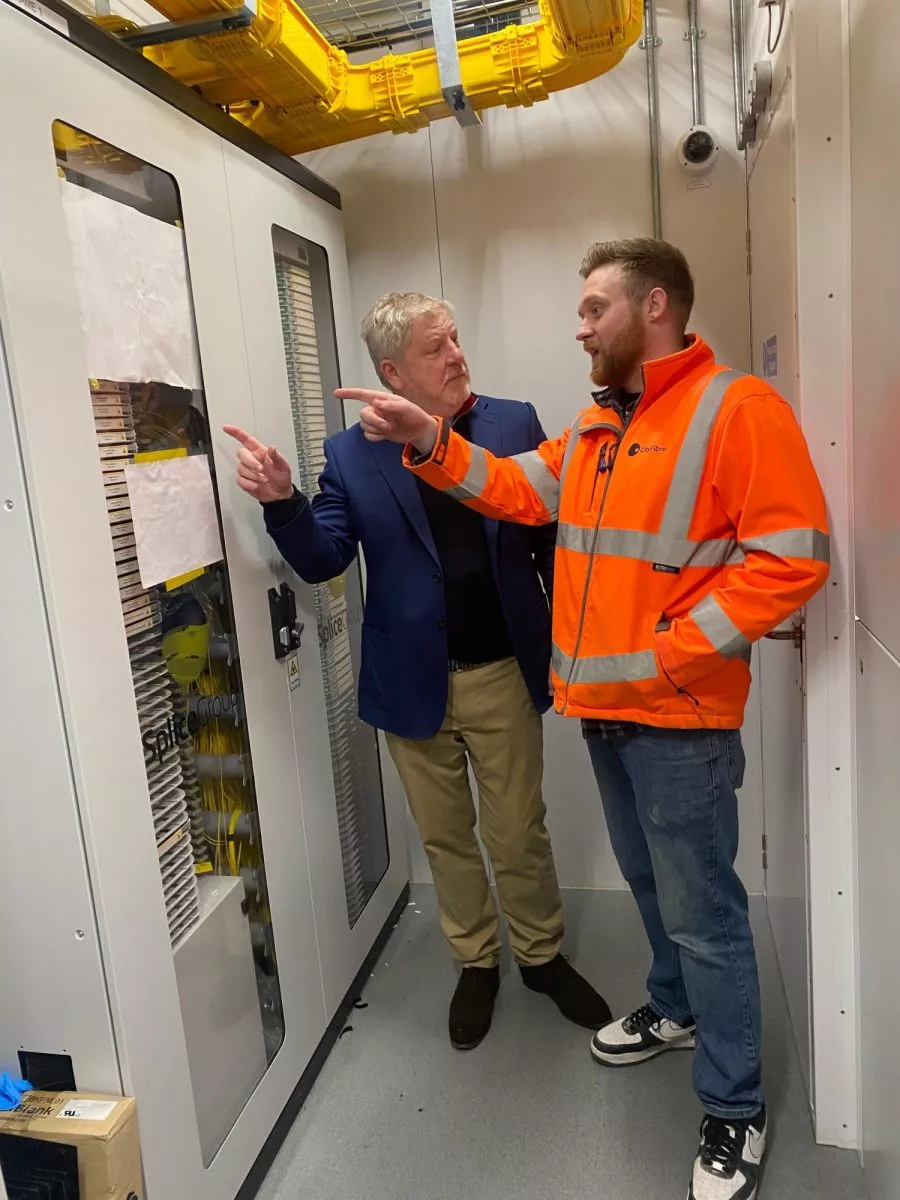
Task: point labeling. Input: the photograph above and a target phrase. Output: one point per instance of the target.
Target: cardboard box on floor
(104, 1130)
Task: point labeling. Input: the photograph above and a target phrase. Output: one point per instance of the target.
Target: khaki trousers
(492, 721)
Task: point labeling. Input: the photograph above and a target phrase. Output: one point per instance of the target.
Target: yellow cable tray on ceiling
(283, 79)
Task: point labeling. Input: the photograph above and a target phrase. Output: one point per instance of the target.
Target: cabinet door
(292, 271)
(122, 319)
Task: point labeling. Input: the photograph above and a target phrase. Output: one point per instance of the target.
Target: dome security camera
(697, 150)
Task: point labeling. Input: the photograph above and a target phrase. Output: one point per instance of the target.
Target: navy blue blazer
(369, 499)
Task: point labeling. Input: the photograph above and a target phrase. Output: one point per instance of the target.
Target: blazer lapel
(485, 428)
(402, 483)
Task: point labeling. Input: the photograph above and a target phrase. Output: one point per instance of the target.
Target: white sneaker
(727, 1166)
(639, 1037)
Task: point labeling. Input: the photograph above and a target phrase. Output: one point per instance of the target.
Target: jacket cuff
(279, 513)
(437, 453)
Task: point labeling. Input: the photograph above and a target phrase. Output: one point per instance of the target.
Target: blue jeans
(670, 804)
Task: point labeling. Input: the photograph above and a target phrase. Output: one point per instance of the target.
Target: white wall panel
(874, 27)
(878, 815)
(875, 96)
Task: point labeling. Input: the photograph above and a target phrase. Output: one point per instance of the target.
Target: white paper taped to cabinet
(133, 295)
(173, 510)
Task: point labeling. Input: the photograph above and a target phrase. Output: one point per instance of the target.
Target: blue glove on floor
(11, 1091)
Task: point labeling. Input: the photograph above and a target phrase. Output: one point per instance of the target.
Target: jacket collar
(466, 408)
(660, 375)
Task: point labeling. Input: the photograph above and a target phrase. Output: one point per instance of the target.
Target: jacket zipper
(591, 553)
(601, 467)
(606, 466)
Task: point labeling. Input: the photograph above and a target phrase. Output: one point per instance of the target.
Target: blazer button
(442, 624)
(437, 577)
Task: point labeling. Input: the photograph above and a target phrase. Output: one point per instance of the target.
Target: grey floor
(398, 1115)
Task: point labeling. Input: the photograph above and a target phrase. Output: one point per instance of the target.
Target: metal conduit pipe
(651, 42)
(221, 766)
(254, 883)
(694, 35)
(737, 57)
(221, 646)
(221, 825)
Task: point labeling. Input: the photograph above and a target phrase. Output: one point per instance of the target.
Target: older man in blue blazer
(455, 653)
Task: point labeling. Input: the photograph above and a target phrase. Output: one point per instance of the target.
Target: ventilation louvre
(295, 293)
(156, 698)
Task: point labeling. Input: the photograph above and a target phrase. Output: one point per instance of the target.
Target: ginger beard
(614, 363)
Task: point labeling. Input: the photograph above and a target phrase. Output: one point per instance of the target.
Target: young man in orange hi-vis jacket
(691, 523)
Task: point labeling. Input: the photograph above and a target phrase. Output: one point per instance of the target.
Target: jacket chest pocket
(639, 489)
(586, 477)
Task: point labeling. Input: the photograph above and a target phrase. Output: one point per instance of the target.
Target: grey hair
(386, 325)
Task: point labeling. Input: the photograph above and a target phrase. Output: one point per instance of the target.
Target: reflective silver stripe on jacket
(568, 452)
(475, 479)
(541, 478)
(633, 543)
(811, 544)
(719, 629)
(793, 543)
(534, 468)
(605, 668)
(685, 484)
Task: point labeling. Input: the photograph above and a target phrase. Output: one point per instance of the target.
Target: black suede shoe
(472, 1006)
(572, 995)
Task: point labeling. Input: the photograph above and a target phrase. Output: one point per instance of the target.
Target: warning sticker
(293, 670)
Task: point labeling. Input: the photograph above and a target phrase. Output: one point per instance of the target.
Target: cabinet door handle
(286, 628)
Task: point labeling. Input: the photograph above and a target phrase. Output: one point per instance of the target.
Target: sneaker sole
(760, 1166)
(632, 1058)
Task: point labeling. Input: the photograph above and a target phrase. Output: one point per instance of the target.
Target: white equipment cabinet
(202, 857)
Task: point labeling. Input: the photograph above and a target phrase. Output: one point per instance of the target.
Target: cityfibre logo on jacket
(636, 448)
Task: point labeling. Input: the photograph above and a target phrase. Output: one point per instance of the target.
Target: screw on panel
(79, 935)
(9, 506)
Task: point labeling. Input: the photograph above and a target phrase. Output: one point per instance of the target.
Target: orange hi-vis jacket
(683, 538)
